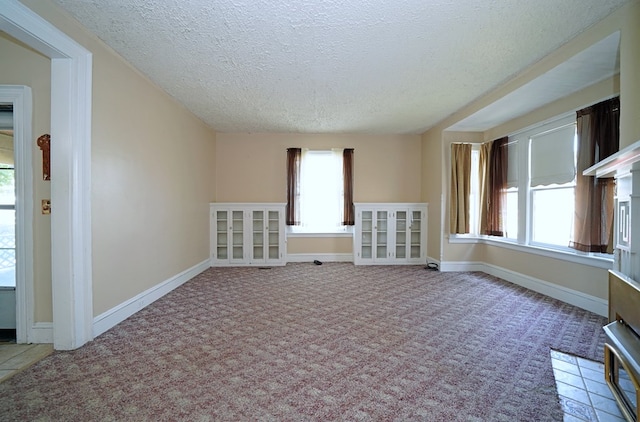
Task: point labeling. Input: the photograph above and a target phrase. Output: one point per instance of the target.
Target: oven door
(621, 366)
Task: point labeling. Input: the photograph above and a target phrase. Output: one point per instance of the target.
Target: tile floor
(16, 357)
(582, 390)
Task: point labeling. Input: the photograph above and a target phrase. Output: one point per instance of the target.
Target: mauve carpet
(306, 343)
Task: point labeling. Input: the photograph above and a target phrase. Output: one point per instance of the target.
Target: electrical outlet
(46, 206)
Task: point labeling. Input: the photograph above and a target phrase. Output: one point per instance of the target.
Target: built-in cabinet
(247, 234)
(390, 233)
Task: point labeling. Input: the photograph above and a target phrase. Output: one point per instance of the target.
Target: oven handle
(607, 366)
(629, 413)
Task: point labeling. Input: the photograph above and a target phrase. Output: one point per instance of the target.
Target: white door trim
(21, 98)
(71, 67)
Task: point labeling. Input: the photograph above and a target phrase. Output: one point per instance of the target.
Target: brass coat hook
(44, 142)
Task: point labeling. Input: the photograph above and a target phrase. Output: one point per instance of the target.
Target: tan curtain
(483, 177)
(496, 187)
(294, 156)
(348, 213)
(598, 130)
(460, 188)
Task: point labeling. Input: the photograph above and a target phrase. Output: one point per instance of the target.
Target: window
(540, 189)
(7, 226)
(551, 182)
(321, 191)
(544, 198)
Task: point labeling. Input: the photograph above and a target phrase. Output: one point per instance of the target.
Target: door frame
(71, 79)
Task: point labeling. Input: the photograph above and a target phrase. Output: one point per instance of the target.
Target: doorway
(71, 75)
(7, 227)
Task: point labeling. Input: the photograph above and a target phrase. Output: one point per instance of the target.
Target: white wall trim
(573, 297)
(462, 266)
(41, 332)
(323, 257)
(119, 313)
(71, 87)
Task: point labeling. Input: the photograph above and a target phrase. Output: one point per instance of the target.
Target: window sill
(310, 232)
(603, 261)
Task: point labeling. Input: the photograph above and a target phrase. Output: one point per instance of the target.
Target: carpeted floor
(306, 342)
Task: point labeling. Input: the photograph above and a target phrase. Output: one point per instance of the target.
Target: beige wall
(152, 176)
(330, 245)
(583, 278)
(629, 71)
(20, 65)
(251, 167)
(432, 190)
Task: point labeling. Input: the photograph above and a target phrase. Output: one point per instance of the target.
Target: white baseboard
(462, 266)
(119, 313)
(324, 257)
(41, 332)
(582, 300)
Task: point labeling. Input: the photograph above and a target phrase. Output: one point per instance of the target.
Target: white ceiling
(335, 66)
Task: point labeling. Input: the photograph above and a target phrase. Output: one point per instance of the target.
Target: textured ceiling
(333, 66)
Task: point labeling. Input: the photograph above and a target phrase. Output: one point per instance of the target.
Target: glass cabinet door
(416, 229)
(367, 235)
(381, 233)
(222, 240)
(258, 234)
(401, 234)
(273, 233)
(237, 233)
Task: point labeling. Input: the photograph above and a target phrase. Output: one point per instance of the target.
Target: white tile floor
(582, 390)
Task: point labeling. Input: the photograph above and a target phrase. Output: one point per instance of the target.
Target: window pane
(552, 216)
(7, 186)
(321, 190)
(7, 248)
(511, 218)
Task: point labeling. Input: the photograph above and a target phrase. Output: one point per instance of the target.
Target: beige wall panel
(153, 176)
(629, 70)
(432, 180)
(252, 167)
(328, 245)
(20, 65)
(582, 278)
(464, 252)
(152, 181)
